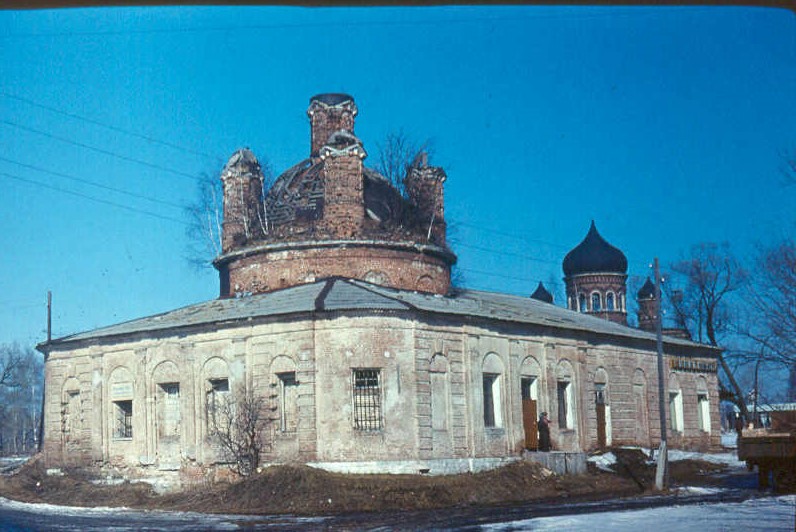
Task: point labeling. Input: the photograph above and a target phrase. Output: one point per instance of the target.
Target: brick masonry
(429, 367)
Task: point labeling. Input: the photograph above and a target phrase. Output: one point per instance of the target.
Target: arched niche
(492, 364)
(166, 371)
(377, 277)
(282, 364)
(438, 364)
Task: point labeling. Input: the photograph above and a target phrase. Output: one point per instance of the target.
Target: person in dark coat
(544, 432)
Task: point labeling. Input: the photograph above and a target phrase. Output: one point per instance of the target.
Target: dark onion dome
(647, 291)
(542, 294)
(332, 98)
(594, 255)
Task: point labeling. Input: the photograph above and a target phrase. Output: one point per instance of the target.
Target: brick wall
(381, 264)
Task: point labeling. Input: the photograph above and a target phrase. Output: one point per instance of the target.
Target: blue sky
(665, 125)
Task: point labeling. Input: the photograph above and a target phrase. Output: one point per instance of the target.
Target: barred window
(124, 419)
(367, 399)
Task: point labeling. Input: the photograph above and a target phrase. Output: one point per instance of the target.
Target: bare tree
(206, 216)
(21, 382)
(396, 154)
(11, 365)
(237, 424)
(772, 298)
(699, 293)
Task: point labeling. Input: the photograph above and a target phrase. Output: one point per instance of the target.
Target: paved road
(23, 517)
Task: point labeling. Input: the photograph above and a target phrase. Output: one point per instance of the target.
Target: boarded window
(123, 427)
(288, 401)
(217, 399)
(169, 409)
(367, 399)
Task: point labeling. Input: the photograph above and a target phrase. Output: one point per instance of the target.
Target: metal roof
(339, 294)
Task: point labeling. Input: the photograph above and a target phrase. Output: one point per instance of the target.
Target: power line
(493, 274)
(517, 237)
(507, 253)
(92, 198)
(106, 126)
(613, 13)
(93, 183)
(98, 150)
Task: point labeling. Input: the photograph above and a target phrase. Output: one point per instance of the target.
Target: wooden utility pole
(44, 380)
(49, 316)
(661, 469)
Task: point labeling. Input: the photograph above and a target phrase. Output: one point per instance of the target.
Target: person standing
(544, 433)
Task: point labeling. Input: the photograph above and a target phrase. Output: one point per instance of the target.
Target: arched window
(582, 303)
(596, 305)
(609, 301)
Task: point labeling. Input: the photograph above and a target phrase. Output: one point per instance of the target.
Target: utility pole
(44, 380)
(661, 475)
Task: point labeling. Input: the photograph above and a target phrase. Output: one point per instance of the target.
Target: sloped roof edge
(341, 294)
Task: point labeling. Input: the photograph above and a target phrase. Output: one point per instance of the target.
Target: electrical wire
(93, 184)
(91, 198)
(98, 150)
(110, 127)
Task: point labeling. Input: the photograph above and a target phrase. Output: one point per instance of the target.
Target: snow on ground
(16, 515)
(729, 440)
(729, 458)
(775, 513)
(603, 461)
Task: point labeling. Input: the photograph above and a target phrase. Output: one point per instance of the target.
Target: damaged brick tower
(330, 215)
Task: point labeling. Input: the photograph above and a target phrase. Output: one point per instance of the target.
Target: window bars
(367, 399)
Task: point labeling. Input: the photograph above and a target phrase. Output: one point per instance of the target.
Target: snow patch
(603, 461)
(774, 513)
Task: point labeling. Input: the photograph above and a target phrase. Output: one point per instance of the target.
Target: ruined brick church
(336, 306)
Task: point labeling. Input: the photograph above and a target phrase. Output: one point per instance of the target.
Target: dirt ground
(303, 490)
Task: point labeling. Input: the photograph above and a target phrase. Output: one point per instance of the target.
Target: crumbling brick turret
(424, 186)
(242, 180)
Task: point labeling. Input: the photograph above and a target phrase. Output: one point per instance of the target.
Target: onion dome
(594, 255)
(647, 291)
(332, 98)
(542, 294)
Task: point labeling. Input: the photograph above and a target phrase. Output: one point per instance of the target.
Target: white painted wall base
(450, 466)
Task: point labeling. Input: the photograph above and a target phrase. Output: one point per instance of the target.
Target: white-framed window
(703, 412)
(676, 410)
(565, 414)
(492, 412)
(582, 307)
(367, 399)
(596, 302)
(610, 302)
